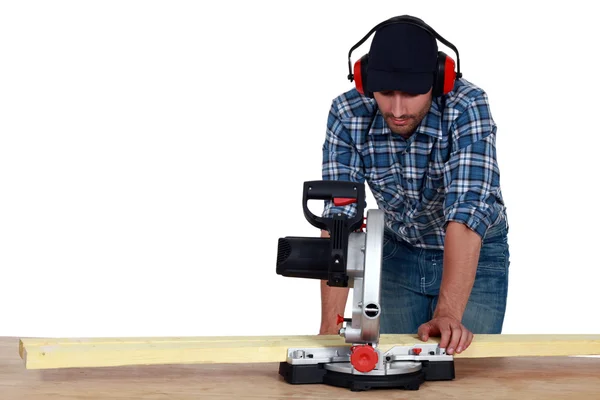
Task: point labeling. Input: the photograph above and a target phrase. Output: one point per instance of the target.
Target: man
(430, 162)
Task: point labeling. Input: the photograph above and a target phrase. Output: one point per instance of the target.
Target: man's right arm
(341, 161)
(333, 302)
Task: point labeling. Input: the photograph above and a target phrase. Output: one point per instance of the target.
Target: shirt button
(409, 180)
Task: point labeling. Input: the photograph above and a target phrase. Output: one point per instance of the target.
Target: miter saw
(351, 257)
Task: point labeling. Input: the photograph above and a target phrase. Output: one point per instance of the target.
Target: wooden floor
(490, 378)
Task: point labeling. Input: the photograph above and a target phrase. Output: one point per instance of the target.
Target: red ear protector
(445, 76)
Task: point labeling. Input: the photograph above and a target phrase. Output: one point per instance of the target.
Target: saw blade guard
(365, 252)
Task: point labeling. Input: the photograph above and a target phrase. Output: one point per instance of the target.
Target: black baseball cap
(402, 57)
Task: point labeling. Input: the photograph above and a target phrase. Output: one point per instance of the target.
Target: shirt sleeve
(341, 161)
(472, 175)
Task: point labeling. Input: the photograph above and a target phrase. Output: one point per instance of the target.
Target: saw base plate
(324, 373)
(357, 383)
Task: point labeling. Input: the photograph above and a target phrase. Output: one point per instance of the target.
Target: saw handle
(340, 193)
(339, 226)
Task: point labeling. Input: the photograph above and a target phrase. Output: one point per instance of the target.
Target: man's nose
(398, 105)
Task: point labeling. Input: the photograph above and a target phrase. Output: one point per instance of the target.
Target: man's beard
(410, 124)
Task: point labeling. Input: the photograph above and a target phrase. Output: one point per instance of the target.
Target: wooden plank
(49, 353)
(93, 342)
(40, 353)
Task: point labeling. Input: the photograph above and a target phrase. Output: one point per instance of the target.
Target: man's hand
(454, 335)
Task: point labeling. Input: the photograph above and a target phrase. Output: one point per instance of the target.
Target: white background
(152, 153)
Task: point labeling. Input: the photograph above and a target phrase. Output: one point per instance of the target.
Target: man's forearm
(333, 302)
(461, 256)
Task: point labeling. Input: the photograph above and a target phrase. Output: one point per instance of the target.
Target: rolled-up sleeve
(341, 161)
(472, 176)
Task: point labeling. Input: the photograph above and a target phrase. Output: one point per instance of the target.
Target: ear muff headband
(445, 76)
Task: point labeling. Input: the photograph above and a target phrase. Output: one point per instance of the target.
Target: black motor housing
(303, 257)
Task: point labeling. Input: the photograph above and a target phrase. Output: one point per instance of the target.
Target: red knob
(364, 358)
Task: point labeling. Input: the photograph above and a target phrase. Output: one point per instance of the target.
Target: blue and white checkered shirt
(447, 171)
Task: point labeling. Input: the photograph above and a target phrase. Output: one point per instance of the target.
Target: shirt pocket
(386, 191)
(433, 189)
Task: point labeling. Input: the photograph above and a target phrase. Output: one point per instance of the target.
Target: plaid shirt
(447, 171)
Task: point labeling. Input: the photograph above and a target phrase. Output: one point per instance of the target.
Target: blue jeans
(411, 277)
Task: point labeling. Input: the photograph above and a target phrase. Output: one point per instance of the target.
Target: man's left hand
(454, 335)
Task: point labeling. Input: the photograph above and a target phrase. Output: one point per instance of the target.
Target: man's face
(402, 111)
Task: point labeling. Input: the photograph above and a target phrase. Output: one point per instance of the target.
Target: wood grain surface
(476, 378)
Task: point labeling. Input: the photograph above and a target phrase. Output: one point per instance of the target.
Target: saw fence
(51, 353)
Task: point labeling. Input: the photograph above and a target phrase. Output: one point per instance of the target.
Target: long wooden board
(49, 353)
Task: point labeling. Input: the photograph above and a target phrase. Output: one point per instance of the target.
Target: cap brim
(409, 82)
